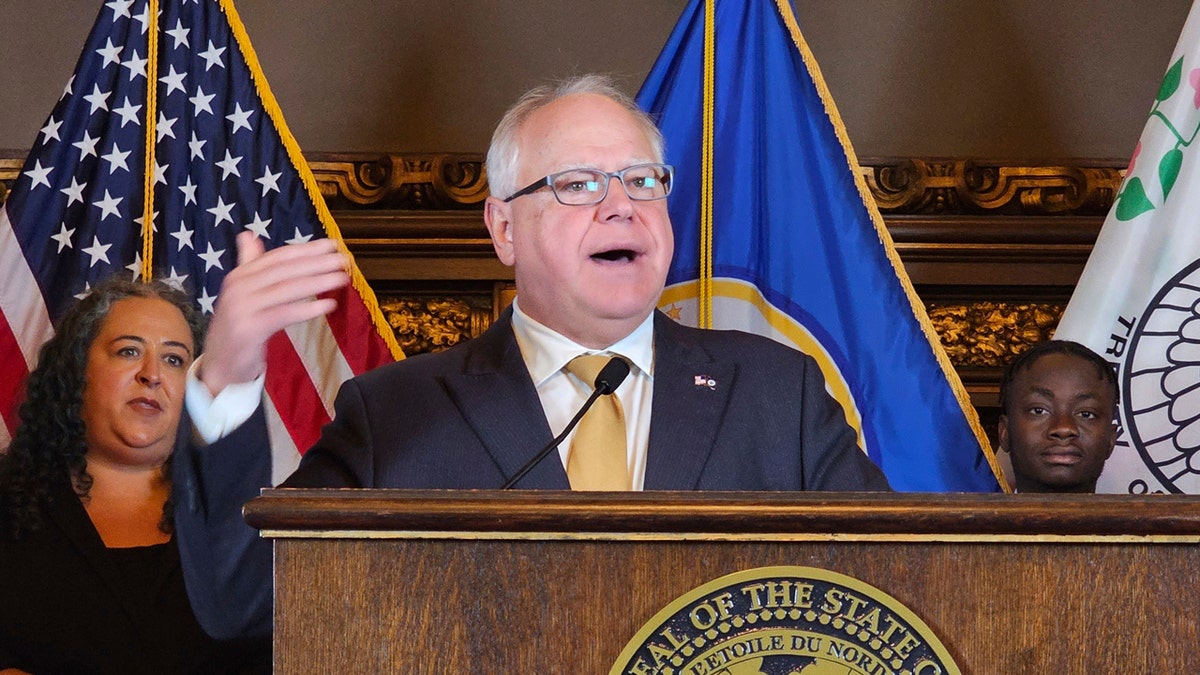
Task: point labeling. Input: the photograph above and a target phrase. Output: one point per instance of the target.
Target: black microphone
(607, 380)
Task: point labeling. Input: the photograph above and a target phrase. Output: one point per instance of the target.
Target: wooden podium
(375, 581)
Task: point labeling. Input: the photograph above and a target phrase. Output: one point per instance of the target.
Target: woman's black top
(68, 604)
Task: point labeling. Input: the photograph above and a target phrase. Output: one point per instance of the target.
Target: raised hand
(267, 292)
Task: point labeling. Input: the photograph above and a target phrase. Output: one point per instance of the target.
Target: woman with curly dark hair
(90, 577)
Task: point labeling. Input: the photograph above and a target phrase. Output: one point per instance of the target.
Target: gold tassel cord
(706, 168)
(357, 281)
(148, 169)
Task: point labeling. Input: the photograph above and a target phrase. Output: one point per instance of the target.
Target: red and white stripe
(306, 364)
(24, 325)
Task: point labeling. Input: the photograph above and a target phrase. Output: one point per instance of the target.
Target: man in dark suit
(714, 410)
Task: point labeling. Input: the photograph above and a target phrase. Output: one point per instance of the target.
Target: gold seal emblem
(785, 621)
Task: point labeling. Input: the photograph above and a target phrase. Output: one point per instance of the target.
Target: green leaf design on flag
(1133, 202)
(1168, 170)
(1170, 81)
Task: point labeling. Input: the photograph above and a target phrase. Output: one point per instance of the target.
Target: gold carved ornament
(990, 334)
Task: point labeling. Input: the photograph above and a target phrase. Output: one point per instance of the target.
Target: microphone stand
(607, 380)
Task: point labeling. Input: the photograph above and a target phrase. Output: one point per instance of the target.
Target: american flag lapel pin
(705, 381)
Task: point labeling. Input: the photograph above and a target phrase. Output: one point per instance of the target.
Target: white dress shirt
(546, 354)
(215, 418)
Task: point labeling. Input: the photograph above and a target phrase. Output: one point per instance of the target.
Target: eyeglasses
(583, 187)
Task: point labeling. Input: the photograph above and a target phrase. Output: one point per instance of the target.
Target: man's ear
(497, 216)
(1002, 432)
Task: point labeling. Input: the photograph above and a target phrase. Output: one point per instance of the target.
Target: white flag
(1138, 301)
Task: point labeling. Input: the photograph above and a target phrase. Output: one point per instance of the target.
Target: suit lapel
(687, 410)
(498, 400)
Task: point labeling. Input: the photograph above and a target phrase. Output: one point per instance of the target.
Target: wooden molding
(764, 514)
(428, 181)
(993, 248)
(973, 186)
(901, 186)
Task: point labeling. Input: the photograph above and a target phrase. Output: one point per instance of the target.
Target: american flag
(224, 161)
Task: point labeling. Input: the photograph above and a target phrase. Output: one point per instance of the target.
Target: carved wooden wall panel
(393, 181)
(993, 248)
(960, 186)
(988, 334)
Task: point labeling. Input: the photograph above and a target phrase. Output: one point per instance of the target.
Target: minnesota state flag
(777, 234)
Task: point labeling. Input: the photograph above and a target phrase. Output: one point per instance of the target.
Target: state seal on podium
(785, 621)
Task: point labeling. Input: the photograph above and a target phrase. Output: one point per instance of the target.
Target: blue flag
(776, 234)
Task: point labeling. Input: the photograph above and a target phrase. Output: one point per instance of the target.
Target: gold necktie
(598, 460)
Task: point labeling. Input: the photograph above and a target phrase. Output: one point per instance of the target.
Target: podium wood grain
(486, 582)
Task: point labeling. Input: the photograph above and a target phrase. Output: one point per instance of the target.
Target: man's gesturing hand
(267, 292)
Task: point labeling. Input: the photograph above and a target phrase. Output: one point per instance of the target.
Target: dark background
(1003, 79)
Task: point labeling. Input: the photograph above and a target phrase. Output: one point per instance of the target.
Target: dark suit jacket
(68, 605)
(470, 417)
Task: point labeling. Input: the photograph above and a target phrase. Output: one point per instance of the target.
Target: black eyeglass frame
(548, 181)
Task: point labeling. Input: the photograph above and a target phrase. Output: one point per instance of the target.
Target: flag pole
(706, 167)
(148, 169)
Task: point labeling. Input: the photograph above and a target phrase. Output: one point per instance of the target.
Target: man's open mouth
(616, 255)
